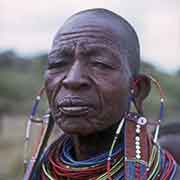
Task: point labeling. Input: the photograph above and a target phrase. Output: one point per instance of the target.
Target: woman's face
(87, 80)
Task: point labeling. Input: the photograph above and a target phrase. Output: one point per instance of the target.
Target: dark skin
(85, 81)
(88, 83)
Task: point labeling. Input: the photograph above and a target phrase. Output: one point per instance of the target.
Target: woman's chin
(76, 129)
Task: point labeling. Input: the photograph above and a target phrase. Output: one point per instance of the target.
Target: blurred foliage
(21, 77)
(170, 85)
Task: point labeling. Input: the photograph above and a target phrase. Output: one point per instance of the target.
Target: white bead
(162, 100)
(138, 126)
(138, 151)
(138, 156)
(137, 138)
(38, 97)
(138, 131)
(137, 143)
(138, 147)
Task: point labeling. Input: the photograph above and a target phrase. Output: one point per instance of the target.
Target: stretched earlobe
(141, 86)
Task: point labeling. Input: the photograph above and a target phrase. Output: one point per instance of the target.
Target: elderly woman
(91, 80)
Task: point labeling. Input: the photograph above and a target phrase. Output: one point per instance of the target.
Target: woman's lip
(75, 106)
(75, 110)
(73, 102)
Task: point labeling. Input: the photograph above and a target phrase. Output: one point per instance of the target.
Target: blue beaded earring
(47, 124)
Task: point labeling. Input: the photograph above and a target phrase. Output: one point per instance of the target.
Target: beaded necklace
(62, 163)
(58, 163)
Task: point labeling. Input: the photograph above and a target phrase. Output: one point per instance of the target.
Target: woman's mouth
(74, 107)
(75, 110)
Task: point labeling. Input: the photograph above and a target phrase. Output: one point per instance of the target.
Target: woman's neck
(86, 147)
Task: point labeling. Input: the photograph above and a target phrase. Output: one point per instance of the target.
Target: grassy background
(20, 78)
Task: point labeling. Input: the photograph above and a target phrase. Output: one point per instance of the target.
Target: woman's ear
(141, 86)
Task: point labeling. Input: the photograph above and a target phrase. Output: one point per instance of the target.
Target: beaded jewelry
(47, 124)
(132, 155)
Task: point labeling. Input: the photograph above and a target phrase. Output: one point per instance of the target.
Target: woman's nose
(76, 78)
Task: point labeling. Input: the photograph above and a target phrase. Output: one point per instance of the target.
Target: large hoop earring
(47, 124)
(162, 104)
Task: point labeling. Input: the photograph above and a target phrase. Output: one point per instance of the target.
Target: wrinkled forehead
(91, 27)
(103, 22)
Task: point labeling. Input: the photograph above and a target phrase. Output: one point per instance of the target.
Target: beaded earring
(141, 121)
(130, 101)
(46, 127)
(162, 104)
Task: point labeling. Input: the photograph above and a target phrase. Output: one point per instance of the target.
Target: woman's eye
(100, 65)
(57, 65)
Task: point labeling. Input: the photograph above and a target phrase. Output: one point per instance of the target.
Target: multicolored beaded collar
(137, 157)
